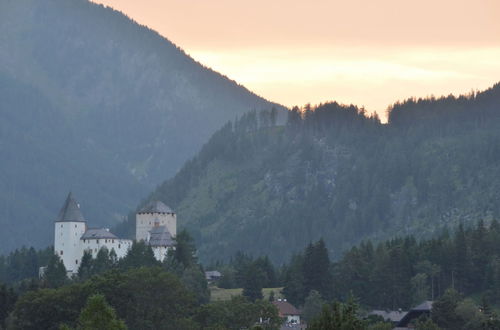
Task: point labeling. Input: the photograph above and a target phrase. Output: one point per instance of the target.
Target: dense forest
(459, 270)
(334, 172)
(93, 102)
(136, 292)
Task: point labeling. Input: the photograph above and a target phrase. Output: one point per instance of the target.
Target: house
(212, 275)
(287, 311)
(414, 313)
(391, 316)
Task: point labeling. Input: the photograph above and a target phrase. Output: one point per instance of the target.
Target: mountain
(333, 172)
(92, 102)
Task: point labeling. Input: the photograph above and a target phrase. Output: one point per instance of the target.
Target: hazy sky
(366, 52)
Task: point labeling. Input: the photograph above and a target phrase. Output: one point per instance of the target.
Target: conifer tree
(253, 281)
(338, 316)
(7, 301)
(98, 315)
(139, 255)
(85, 269)
(55, 274)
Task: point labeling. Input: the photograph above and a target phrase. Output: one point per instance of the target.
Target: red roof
(285, 308)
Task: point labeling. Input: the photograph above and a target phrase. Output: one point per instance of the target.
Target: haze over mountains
(335, 173)
(92, 102)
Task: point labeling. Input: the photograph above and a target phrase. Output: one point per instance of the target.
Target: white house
(156, 224)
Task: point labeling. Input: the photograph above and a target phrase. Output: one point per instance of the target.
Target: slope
(335, 173)
(92, 102)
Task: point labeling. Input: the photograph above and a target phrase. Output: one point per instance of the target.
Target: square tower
(154, 213)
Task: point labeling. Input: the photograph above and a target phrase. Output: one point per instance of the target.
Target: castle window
(97, 241)
(105, 241)
(75, 225)
(119, 245)
(61, 252)
(76, 261)
(112, 241)
(83, 241)
(61, 225)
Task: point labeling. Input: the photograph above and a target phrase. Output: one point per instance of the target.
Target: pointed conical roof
(156, 207)
(70, 211)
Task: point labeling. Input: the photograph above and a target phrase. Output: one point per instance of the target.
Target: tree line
(335, 171)
(135, 292)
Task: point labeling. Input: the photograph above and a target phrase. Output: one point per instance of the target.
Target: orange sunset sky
(370, 53)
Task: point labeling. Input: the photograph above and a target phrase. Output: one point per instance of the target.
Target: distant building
(424, 308)
(287, 311)
(156, 225)
(391, 316)
(212, 275)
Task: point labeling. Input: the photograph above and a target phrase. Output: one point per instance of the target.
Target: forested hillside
(334, 172)
(92, 102)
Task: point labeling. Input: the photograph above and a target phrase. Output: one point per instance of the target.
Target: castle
(156, 225)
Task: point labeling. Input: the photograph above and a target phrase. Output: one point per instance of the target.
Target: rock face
(92, 102)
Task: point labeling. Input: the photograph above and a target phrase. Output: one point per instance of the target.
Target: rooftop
(393, 316)
(96, 233)
(425, 306)
(70, 211)
(285, 308)
(160, 236)
(156, 207)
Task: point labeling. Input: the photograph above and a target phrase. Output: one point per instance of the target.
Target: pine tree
(85, 269)
(98, 315)
(55, 274)
(312, 305)
(139, 255)
(316, 270)
(253, 281)
(7, 300)
(338, 316)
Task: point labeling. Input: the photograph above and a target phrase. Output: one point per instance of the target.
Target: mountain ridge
(333, 172)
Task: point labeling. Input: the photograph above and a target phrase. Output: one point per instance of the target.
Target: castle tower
(69, 227)
(154, 212)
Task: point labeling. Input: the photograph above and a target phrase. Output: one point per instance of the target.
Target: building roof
(285, 308)
(70, 211)
(96, 233)
(156, 207)
(393, 316)
(425, 306)
(213, 273)
(160, 236)
(415, 312)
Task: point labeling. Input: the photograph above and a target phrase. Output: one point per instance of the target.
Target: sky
(364, 52)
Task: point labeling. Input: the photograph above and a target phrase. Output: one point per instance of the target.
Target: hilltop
(333, 172)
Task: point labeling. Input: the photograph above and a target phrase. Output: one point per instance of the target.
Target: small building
(287, 311)
(424, 308)
(389, 316)
(212, 275)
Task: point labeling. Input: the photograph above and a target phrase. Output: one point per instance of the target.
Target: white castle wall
(67, 243)
(121, 246)
(144, 222)
(160, 252)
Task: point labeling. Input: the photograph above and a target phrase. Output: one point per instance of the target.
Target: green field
(226, 294)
